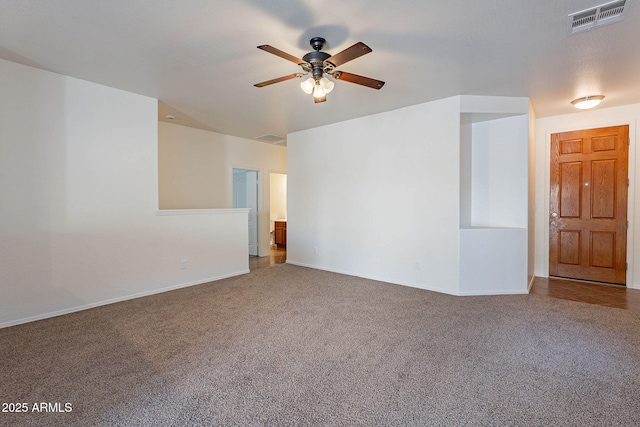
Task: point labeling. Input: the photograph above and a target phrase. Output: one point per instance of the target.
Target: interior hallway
(277, 256)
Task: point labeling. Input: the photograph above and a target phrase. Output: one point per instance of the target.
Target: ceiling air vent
(598, 16)
(271, 139)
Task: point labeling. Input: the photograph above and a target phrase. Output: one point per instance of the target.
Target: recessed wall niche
(494, 140)
(493, 168)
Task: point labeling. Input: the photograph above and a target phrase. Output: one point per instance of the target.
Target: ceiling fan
(319, 64)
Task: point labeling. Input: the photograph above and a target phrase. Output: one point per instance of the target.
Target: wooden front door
(588, 204)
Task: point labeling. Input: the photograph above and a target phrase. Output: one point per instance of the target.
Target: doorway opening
(278, 216)
(588, 204)
(246, 193)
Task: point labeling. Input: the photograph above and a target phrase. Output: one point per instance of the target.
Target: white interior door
(245, 195)
(252, 203)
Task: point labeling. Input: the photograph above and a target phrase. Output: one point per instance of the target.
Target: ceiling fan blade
(316, 100)
(350, 53)
(354, 78)
(278, 80)
(281, 54)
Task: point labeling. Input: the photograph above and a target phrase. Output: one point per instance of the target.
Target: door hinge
(626, 266)
(627, 225)
(628, 182)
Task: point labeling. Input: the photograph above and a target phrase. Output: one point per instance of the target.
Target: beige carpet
(288, 345)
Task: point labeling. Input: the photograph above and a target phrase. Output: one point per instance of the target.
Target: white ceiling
(199, 57)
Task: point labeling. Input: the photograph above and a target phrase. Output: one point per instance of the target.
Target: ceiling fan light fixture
(587, 102)
(318, 88)
(308, 85)
(318, 91)
(326, 84)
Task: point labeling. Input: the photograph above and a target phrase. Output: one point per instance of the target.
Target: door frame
(260, 210)
(542, 215)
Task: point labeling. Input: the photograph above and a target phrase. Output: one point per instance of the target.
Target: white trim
(170, 212)
(270, 171)
(378, 279)
(479, 294)
(631, 172)
(411, 285)
(118, 299)
(533, 279)
(263, 208)
(631, 203)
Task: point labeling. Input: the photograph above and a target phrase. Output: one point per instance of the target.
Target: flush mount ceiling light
(587, 102)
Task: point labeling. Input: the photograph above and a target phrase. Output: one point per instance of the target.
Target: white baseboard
(479, 294)
(114, 300)
(412, 285)
(376, 278)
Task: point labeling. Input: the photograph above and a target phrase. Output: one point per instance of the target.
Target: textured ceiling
(199, 57)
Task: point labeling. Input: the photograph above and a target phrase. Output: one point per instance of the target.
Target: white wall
(600, 117)
(498, 173)
(531, 201)
(383, 196)
(378, 196)
(196, 170)
(494, 145)
(499, 177)
(192, 169)
(493, 239)
(493, 261)
(78, 202)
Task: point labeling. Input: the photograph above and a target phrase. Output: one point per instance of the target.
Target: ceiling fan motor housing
(316, 59)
